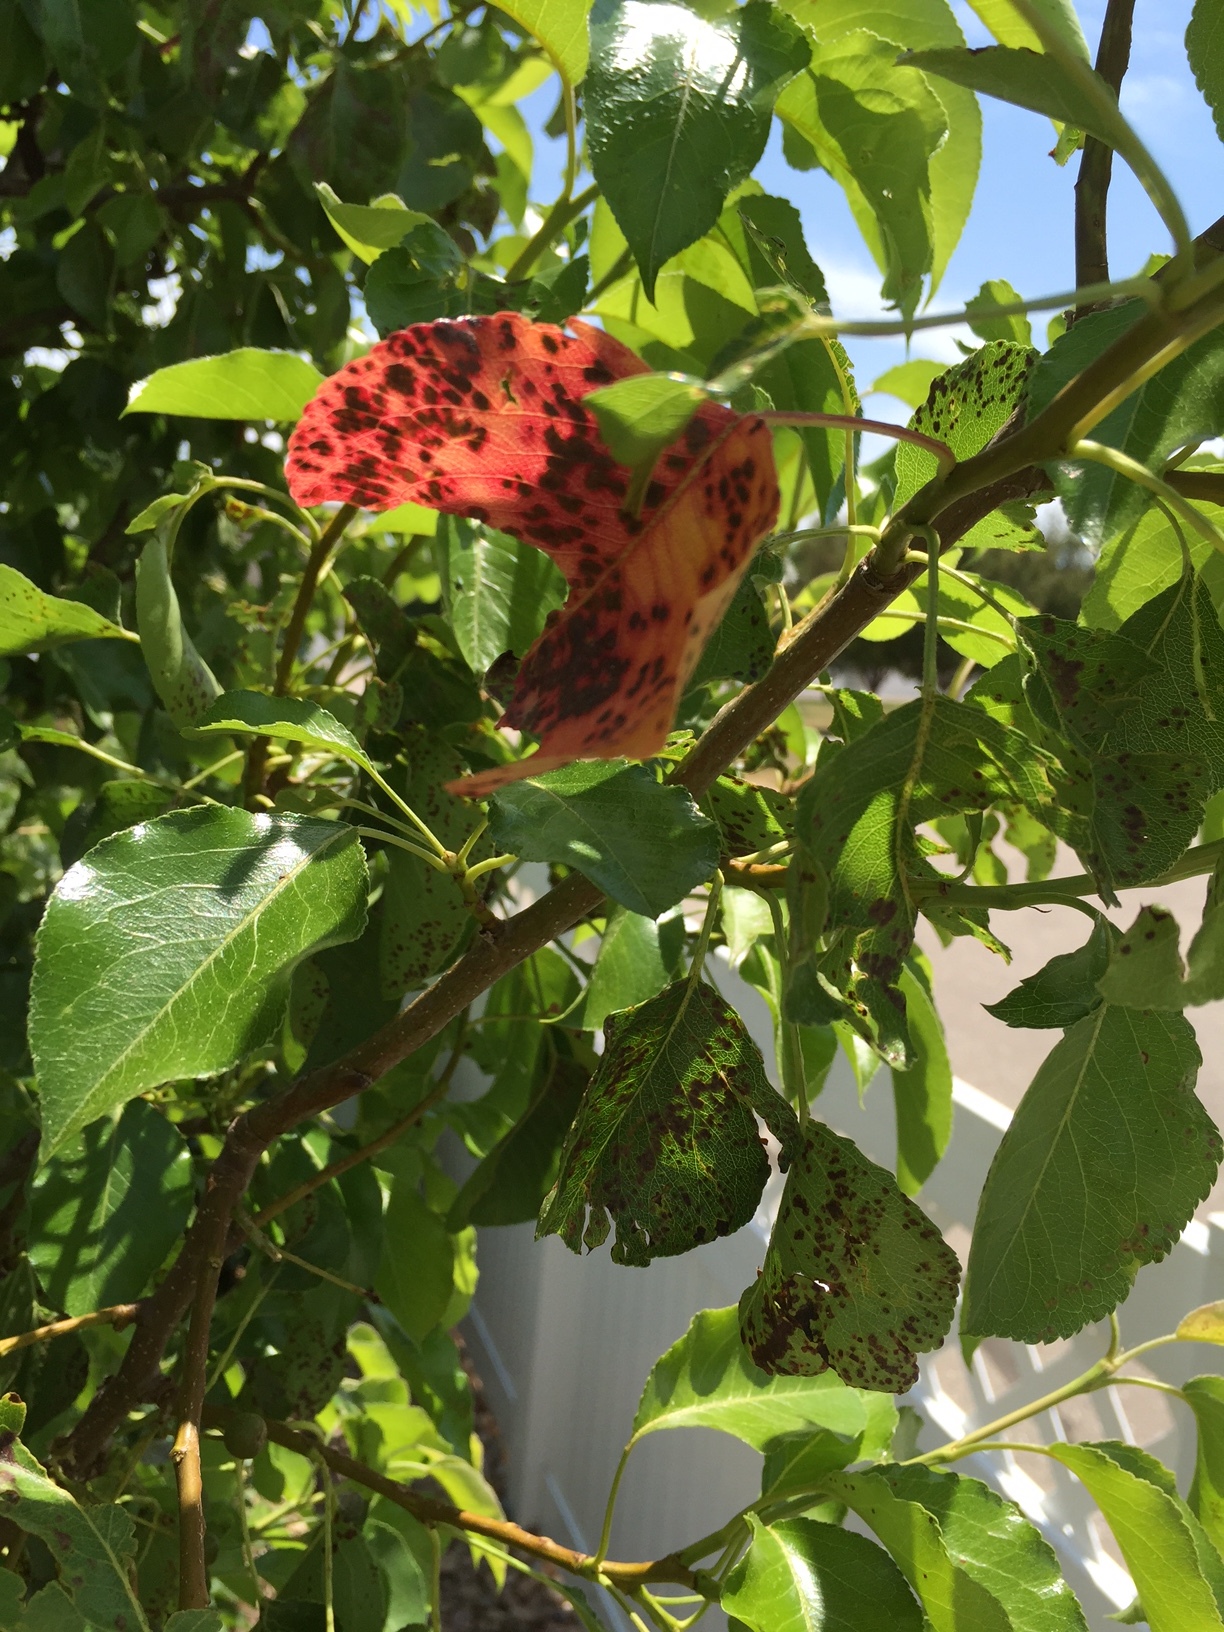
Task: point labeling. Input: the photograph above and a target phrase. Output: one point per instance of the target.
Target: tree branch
(118, 1315)
(432, 1512)
(185, 1454)
(1096, 163)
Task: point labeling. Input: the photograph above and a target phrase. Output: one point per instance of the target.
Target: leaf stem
(117, 1315)
(328, 540)
(384, 837)
(605, 1534)
(1123, 465)
(703, 936)
(851, 423)
(554, 224)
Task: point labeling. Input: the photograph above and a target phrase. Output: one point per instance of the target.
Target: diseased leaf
(856, 1278)
(802, 1576)
(108, 1209)
(645, 844)
(500, 593)
(1205, 1397)
(243, 384)
(749, 817)
(1146, 971)
(1182, 404)
(1146, 558)
(32, 621)
(1203, 1325)
(876, 128)
(1061, 992)
(706, 1380)
(167, 952)
(446, 415)
(666, 1142)
(742, 646)
(1104, 1162)
(1176, 1569)
(93, 1547)
(678, 108)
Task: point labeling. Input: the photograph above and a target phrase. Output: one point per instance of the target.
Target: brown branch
(1003, 471)
(428, 1511)
(118, 1315)
(1096, 163)
(1207, 486)
(185, 1454)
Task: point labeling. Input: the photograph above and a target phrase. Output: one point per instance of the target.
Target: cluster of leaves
(271, 598)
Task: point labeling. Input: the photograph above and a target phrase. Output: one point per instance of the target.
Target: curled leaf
(484, 417)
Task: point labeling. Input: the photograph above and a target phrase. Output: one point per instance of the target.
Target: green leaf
(1183, 403)
(1063, 990)
(665, 1141)
(1033, 80)
(1100, 1170)
(910, 382)
(876, 128)
(500, 592)
(92, 1547)
(749, 817)
(802, 1576)
(795, 1464)
(417, 1271)
(182, 679)
(425, 919)
(629, 969)
(954, 1601)
(1144, 559)
(856, 1277)
(644, 844)
(369, 229)
(742, 645)
(1010, 28)
(706, 1380)
(1145, 969)
(512, 1182)
(167, 952)
(970, 626)
(561, 28)
(967, 407)
(996, 1547)
(1203, 1325)
(678, 109)
(1159, 1537)
(108, 1209)
(994, 293)
(640, 415)
(287, 719)
(195, 1620)
(923, 1094)
(1205, 48)
(243, 384)
(31, 621)
(1205, 1397)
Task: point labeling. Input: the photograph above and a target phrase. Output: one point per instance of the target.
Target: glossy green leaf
(996, 1547)
(1101, 1169)
(561, 28)
(967, 406)
(32, 621)
(1063, 990)
(989, 326)
(500, 592)
(953, 1600)
(287, 719)
(417, 1271)
(243, 384)
(1205, 1396)
(910, 382)
(1146, 558)
(646, 845)
(167, 953)
(802, 1576)
(1183, 403)
(181, 678)
(1033, 80)
(107, 1210)
(1008, 26)
(665, 1143)
(678, 108)
(706, 1380)
(1159, 1537)
(425, 918)
(93, 1547)
(923, 1094)
(1205, 48)
(369, 229)
(876, 128)
(856, 1277)
(796, 1463)
(629, 969)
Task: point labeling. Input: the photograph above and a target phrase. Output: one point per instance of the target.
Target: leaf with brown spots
(666, 1137)
(484, 417)
(856, 1279)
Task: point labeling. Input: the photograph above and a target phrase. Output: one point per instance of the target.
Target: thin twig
(1096, 163)
(118, 1315)
(185, 1453)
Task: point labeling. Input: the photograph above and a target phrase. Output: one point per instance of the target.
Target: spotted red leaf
(484, 417)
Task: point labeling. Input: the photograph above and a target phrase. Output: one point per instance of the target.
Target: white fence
(564, 1346)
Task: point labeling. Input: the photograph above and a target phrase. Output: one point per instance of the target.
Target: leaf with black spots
(666, 1138)
(749, 817)
(484, 417)
(856, 1279)
(1063, 990)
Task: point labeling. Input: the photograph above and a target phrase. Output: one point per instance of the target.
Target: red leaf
(483, 417)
